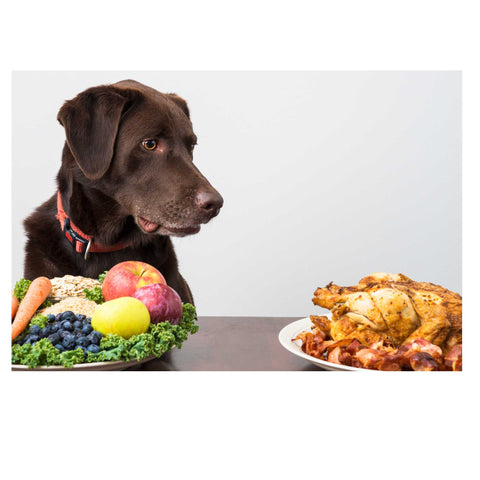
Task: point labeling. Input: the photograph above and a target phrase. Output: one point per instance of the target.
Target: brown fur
(108, 180)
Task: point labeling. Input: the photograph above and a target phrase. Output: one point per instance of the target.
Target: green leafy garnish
(42, 353)
(21, 288)
(95, 293)
(40, 320)
(159, 338)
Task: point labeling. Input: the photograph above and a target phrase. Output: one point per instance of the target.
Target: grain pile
(71, 286)
(69, 290)
(76, 305)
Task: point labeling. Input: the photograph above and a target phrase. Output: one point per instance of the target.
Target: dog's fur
(109, 182)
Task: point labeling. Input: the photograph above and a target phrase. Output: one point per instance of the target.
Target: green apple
(124, 316)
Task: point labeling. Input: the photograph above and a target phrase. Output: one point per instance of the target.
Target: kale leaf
(21, 288)
(95, 293)
(101, 277)
(40, 320)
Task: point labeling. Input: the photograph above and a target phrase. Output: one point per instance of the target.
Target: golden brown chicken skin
(395, 309)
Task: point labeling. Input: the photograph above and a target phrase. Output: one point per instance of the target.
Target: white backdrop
(326, 176)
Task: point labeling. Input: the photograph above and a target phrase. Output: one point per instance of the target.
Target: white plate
(290, 331)
(94, 366)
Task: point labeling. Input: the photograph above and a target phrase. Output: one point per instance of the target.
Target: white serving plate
(94, 366)
(290, 331)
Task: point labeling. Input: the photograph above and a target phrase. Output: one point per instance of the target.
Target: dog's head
(136, 145)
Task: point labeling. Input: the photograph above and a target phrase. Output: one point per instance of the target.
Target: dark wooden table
(232, 343)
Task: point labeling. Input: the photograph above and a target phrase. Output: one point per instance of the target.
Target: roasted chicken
(393, 310)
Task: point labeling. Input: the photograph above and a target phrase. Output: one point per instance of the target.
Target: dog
(127, 183)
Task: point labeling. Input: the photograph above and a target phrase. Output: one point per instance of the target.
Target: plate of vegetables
(121, 332)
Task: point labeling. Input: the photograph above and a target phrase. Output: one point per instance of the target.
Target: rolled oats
(76, 305)
(71, 286)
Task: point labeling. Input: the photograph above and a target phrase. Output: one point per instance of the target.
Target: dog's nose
(209, 201)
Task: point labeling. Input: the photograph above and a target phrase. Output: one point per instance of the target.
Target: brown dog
(126, 184)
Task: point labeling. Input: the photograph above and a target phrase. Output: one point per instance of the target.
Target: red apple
(124, 278)
(162, 302)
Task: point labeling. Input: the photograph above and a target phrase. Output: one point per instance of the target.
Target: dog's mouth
(151, 227)
(147, 226)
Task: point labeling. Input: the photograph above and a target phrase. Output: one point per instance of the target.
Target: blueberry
(82, 341)
(54, 327)
(32, 339)
(95, 337)
(88, 320)
(81, 317)
(46, 330)
(77, 325)
(35, 329)
(58, 317)
(68, 341)
(63, 333)
(54, 338)
(66, 325)
(51, 317)
(93, 348)
(68, 315)
(86, 329)
(59, 347)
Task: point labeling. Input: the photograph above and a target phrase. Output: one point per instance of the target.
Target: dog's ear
(180, 102)
(91, 123)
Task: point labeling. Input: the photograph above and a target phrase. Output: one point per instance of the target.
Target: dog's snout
(209, 201)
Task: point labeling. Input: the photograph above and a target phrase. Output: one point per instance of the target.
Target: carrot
(14, 305)
(36, 294)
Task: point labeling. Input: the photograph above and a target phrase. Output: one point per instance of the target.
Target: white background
(280, 425)
(326, 176)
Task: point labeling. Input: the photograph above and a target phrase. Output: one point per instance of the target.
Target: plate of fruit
(122, 321)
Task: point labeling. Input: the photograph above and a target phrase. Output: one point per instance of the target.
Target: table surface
(233, 344)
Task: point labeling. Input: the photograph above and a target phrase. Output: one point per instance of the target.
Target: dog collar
(81, 242)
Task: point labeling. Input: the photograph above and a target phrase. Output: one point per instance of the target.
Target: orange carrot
(14, 305)
(36, 294)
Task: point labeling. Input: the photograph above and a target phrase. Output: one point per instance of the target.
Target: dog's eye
(149, 144)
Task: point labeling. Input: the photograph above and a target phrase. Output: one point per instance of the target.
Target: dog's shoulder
(43, 254)
(41, 220)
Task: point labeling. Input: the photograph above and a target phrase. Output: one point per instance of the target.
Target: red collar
(81, 242)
